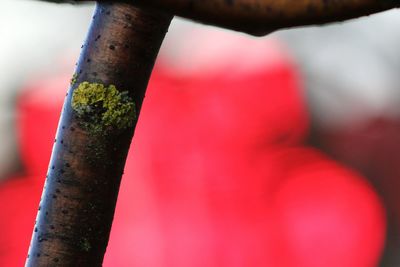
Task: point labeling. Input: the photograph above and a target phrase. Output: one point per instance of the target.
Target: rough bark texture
(88, 158)
(260, 17)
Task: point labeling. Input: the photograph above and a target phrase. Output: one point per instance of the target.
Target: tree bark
(93, 137)
(260, 17)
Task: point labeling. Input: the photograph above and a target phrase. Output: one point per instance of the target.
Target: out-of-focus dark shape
(372, 147)
(352, 81)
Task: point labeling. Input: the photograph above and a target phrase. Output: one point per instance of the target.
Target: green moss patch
(103, 107)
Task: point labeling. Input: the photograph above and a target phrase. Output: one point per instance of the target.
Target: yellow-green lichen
(103, 107)
(73, 79)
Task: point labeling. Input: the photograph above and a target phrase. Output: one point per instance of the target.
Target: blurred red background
(219, 174)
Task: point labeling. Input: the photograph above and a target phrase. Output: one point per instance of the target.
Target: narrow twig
(260, 17)
(93, 136)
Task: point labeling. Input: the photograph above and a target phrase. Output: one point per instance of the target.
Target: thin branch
(260, 17)
(93, 137)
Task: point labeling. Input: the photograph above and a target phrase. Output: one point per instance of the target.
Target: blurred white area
(350, 69)
(196, 49)
(35, 36)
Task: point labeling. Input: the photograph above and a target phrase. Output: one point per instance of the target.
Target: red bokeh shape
(218, 175)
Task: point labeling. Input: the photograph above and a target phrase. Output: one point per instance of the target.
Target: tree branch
(260, 17)
(93, 137)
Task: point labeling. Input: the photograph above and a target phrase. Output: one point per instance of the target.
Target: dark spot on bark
(70, 182)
